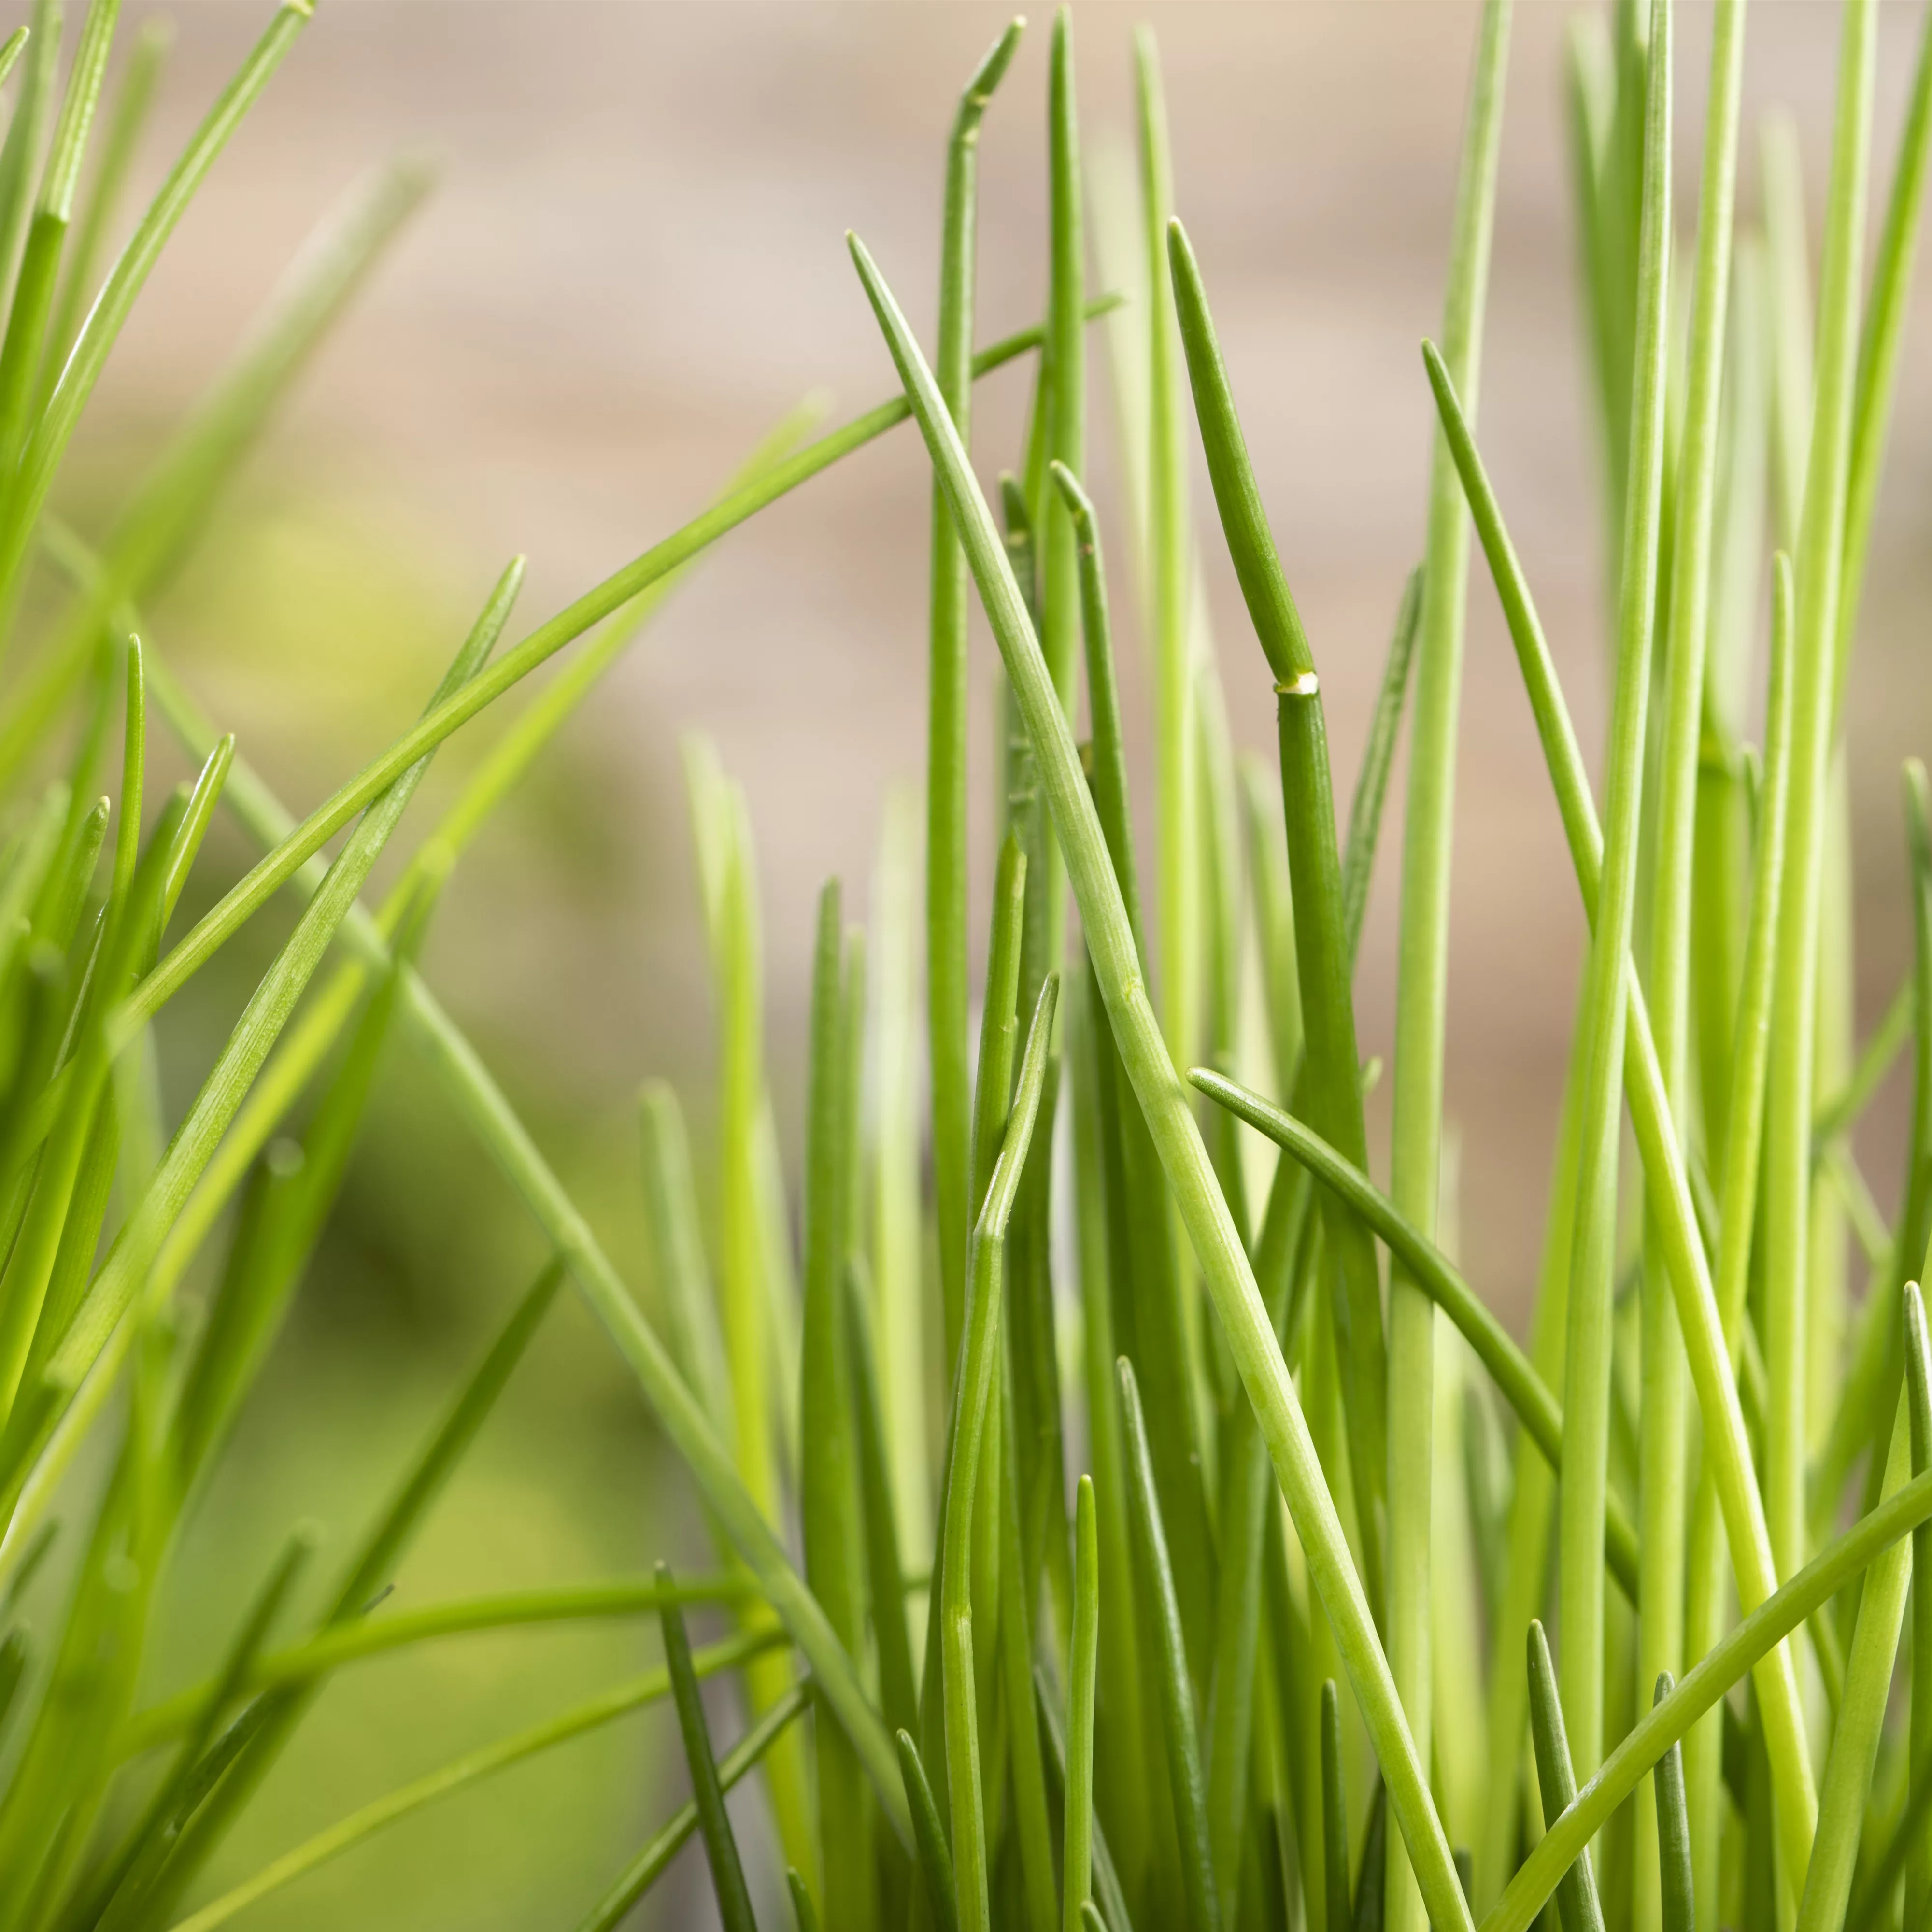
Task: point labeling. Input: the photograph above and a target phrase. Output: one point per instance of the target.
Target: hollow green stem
(946, 954)
(1422, 983)
(1819, 573)
(979, 1354)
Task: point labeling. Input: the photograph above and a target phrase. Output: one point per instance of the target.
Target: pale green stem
(1586, 1382)
(945, 960)
(1177, 842)
(1787, 1152)
(1422, 984)
(1744, 1108)
(1662, 1512)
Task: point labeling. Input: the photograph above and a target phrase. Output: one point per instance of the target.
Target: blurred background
(631, 266)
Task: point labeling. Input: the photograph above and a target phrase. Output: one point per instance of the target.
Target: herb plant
(1100, 1539)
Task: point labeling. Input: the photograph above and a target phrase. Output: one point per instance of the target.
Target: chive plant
(1242, 1578)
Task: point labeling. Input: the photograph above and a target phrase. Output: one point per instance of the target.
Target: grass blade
(1587, 1369)
(649, 1864)
(1844, 1799)
(1332, 1062)
(707, 1792)
(885, 1577)
(828, 1474)
(677, 1253)
(1064, 367)
(133, 100)
(1171, 1125)
(1669, 1194)
(897, 1314)
(1177, 1695)
(1678, 1889)
(935, 1861)
(1878, 347)
(1165, 1347)
(722, 826)
(1077, 1831)
(1789, 1098)
(946, 951)
(27, 124)
(1422, 979)
(1577, 1897)
(1705, 1606)
(32, 307)
(972, 1398)
(1662, 1647)
(1919, 1398)
(1334, 1813)
(1169, 590)
(1033, 1829)
(1124, 1771)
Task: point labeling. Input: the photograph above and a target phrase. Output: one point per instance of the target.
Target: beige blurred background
(633, 265)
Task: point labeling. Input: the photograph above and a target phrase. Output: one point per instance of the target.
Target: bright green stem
(974, 1390)
(898, 1313)
(1662, 1514)
(1577, 1901)
(1919, 1408)
(1795, 1006)
(707, 1789)
(1878, 351)
(1677, 1890)
(1532, 1515)
(935, 1858)
(1064, 368)
(946, 944)
(1845, 1800)
(722, 823)
(1034, 1827)
(1586, 1377)
(1171, 1126)
(1178, 1720)
(649, 1864)
(1726, 1447)
(1168, 547)
(1332, 1062)
(1422, 983)
(1077, 1830)
(129, 119)
(1337, 1917)
(1704, 1604)
(828, 1472)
